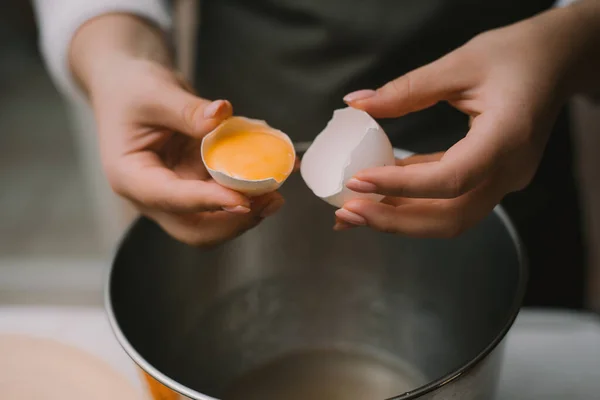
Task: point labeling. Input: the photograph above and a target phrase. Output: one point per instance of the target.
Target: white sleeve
(58, 20)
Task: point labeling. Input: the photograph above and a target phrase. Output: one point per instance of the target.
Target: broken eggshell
(352, 141)
(246, 186)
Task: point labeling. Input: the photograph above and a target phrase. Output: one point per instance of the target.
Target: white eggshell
(352, 141)
(249, 187)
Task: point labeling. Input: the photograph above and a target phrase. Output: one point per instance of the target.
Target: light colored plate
(33, 368)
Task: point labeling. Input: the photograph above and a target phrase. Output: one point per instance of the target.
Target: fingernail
(271, 209)
(212, 110)
(359, 95)
(343, 226)
(237, 210)
(361, 186)
(350, 217)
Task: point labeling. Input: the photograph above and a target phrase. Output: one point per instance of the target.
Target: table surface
(550, 354)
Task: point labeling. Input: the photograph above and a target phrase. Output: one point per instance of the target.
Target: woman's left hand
(511, 82)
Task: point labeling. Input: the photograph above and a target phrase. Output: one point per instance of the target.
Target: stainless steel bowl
(293, 310)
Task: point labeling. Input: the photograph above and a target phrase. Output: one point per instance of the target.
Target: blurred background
(58, 219)
(53, 200)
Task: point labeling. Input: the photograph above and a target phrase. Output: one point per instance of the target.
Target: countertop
(550, 354)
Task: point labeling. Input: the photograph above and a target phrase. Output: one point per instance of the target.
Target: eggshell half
(249, 187)
(352, 141)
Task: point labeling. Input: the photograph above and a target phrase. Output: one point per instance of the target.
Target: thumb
(186, 113)
(414, 91)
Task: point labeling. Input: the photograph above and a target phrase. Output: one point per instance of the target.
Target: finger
(179, 110)
(416, 90)
(208, 229)
(426, 217)
(203, 229)
(416, 220)
(460, 169)
(297, 163)
(142, 178)
(268, 204)
(419, 159)
(366, 187)
(341, 225)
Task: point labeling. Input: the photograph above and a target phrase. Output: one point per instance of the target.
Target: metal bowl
(293, 310)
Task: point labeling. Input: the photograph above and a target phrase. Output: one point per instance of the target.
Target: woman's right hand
(150, 127)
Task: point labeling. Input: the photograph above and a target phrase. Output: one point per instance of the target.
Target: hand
(150, 127)
(509, 81)
(150, 130)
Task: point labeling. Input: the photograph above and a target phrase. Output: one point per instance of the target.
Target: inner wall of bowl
(292, 308)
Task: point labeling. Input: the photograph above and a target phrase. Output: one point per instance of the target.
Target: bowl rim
(417, 393)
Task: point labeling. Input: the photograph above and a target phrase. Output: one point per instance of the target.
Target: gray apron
(290, 62)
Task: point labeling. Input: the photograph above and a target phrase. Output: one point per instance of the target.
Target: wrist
(572, 35)
(104, 47)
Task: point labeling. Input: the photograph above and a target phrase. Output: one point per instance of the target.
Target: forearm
(104, 43)
(59, 20)
(586, 68)
(573, 34)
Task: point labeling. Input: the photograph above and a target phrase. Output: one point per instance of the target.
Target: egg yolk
(251, 155)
